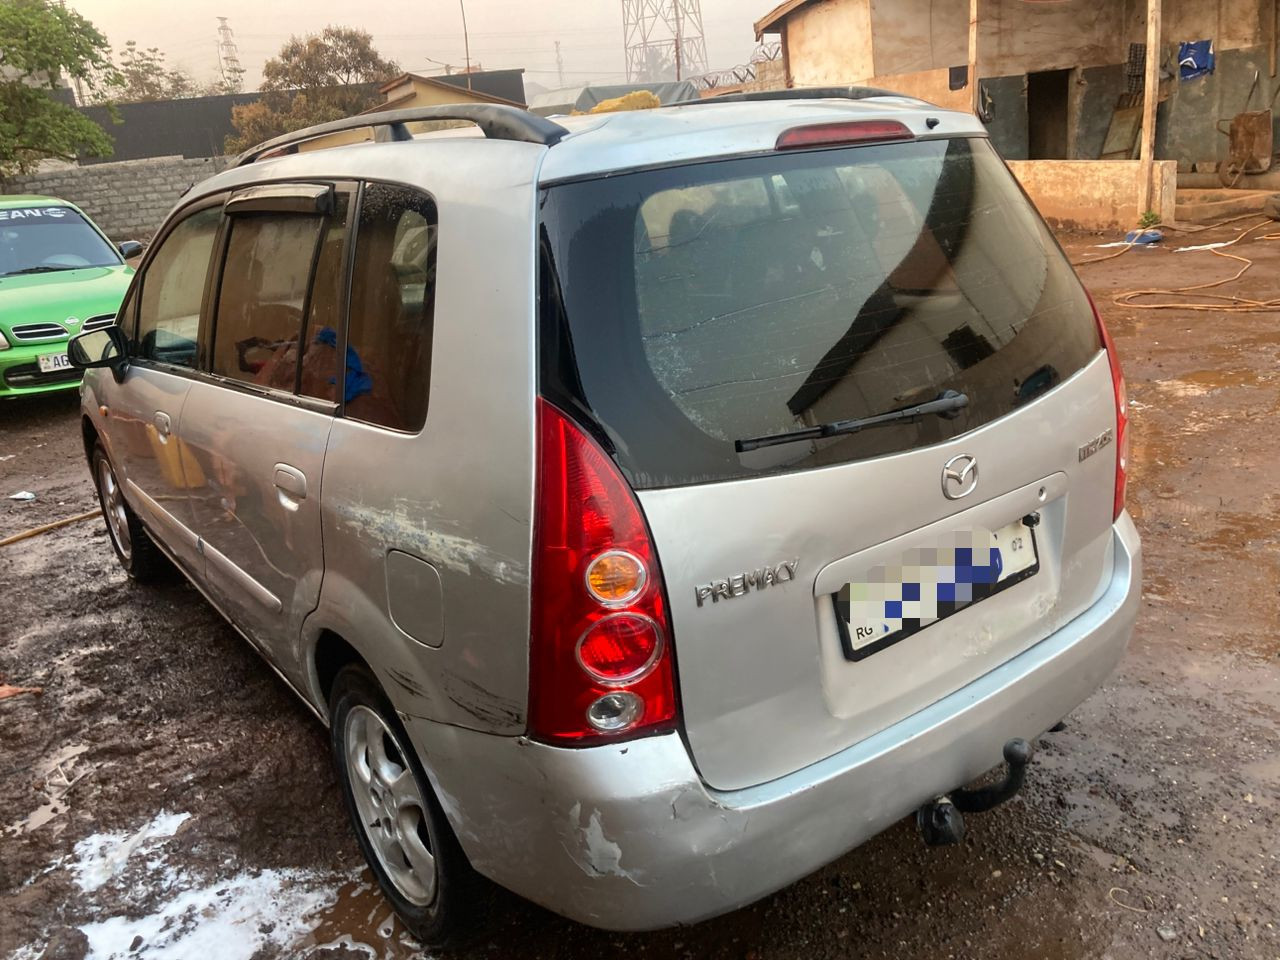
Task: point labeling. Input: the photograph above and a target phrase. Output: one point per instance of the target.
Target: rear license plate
(52, 362)
(929, 584)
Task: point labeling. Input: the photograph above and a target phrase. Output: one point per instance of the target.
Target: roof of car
(599, 143)
(31, 200)
(578, 147)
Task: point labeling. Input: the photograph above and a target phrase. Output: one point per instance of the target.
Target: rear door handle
(163, 424)
(291, 480)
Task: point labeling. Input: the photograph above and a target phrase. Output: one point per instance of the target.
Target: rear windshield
(687, 308)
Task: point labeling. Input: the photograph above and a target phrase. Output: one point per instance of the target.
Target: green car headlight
(4, 344)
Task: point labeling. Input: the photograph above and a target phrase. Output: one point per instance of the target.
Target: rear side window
(691, 307)
(173, 290)
(392, 305)
(263, 296)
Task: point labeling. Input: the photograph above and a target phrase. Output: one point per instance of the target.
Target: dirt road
(167, 796)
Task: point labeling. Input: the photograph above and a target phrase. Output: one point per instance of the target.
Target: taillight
(845, 131)
(600, 659)
(1122, 414)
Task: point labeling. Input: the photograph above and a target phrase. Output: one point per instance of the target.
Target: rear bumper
(627, 837)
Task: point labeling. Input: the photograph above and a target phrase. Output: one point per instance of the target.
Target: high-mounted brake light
(600, 660)
(1122, 414)
(847, 131)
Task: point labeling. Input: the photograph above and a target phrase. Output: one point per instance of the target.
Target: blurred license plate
(51, 362)
(928, 584)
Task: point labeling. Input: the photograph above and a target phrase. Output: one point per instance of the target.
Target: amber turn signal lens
(616, 577)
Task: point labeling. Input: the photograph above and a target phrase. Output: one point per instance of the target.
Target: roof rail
(800, 93)
(498, 121)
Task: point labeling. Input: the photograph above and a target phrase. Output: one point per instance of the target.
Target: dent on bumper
(627, 837)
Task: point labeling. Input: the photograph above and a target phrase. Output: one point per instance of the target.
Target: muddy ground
(166, 796)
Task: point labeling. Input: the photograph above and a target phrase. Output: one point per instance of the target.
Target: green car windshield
(50, 239)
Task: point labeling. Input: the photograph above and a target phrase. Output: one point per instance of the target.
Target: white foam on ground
(234, 918)
(230, 920)
(1203, 246)
(103, 855)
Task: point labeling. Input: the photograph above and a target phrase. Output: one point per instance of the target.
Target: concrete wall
(128, 199)
(829, 42)
(1186, 128)
(931, 85)
(1014, 36)
(1020, 37)
(1231, 24)
(1094, 194)
(828, 39)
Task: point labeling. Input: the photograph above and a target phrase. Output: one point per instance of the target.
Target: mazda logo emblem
(959, 476)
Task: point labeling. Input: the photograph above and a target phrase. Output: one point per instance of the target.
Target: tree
(40, 43)
(146, 77)
(314, 78)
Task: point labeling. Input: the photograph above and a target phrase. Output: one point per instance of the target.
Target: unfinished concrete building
(1058, 79)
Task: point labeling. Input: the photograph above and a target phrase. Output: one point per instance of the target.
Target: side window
(320, 346)
(172, 291)
(263, 293)
(392, 303)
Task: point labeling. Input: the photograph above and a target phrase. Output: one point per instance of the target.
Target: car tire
(134, 548)
(396, 816)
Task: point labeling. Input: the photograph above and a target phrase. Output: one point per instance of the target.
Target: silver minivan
(655, 505)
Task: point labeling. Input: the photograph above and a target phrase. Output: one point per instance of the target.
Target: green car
(59, 276)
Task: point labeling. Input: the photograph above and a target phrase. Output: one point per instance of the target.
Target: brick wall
(127, 199)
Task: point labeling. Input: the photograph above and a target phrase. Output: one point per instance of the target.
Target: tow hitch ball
(941, 821)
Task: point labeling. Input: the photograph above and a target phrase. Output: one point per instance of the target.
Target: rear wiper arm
(949, 404)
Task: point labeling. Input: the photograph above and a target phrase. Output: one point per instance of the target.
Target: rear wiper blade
(949, 404)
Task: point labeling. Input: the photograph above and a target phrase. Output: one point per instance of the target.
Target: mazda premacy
(654, 505)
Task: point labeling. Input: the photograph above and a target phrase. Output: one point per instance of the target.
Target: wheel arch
(330, 653)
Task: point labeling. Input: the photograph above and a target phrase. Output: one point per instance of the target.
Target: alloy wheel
(391, 807)
(113, 506)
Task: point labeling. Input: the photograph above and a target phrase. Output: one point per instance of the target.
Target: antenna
(663, 38)
(229, 58)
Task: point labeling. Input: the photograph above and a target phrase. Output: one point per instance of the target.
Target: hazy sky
(504, 33)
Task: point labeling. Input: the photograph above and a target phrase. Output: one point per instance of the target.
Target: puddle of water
(59, 774)
(1221, 377)
(361, 920)
(1231, 531)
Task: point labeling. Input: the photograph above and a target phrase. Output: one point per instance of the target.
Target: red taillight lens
(1122, 415)
(833, 134)
(599, 630)
(620, 648)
